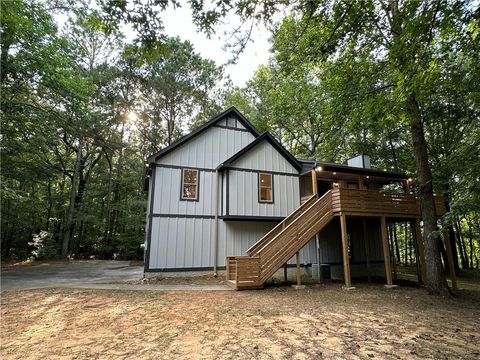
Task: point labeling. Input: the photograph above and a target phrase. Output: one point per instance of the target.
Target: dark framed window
(190, 180)
(265, 187)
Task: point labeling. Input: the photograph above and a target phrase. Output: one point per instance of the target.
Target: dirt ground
(320, 322)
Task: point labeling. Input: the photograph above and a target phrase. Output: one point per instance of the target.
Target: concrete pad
(90, 274)
(299, 287)
(390, 286)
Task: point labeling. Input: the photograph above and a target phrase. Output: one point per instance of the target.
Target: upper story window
(265, 187)
(231, 122)
(189, 184)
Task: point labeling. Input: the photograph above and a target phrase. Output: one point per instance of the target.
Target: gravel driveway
(69, 274)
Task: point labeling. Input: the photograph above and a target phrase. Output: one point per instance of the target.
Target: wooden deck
(353, 202)
(273, 250)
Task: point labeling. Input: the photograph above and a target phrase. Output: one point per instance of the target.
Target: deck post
(386, 251)
(285, 277)
(314, 182)
(346, 260)
(451, 265)
(421, 251)
(407, 186)
(317, 244)
(299, 279)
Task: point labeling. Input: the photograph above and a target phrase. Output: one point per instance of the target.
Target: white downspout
(215, 228)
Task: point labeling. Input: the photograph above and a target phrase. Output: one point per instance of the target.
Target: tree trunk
(470, 240)
(50, 205)
(397, 249)
(461, 245)
(451, 233)
(7, 241)
(405, 239)
(436, 281)
(73, 193)
(82, 183)
(443, 253)
(394, 153)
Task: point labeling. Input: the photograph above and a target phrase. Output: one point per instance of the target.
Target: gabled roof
(268, 137)
(231, 112)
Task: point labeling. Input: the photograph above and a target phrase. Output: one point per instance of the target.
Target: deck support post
(451, 265)
(314, 183)
(299, 279)
(319, 271)
(285, 277)
(299, 285)
(386, 251)
(421, 251)
(346, 259)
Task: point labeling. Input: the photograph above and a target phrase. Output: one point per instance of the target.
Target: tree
(73, 154)
(177, 92)
(400, 39)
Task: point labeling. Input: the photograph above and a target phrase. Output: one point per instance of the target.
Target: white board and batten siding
(181, 242)
(182, 232)
(209, 149)
(187, 243)
(243, 186)
(168, 183)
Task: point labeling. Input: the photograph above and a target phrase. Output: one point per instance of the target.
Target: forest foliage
(82, 108)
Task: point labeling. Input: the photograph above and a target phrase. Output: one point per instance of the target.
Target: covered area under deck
(362, 195)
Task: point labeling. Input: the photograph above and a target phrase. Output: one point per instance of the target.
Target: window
(265, 187)
(189, 184)
(231, 122)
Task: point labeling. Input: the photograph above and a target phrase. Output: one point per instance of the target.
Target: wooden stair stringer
(268, 271)
(274, 249)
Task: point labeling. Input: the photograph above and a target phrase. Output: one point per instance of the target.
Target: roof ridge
(180, 141)
(274, 142)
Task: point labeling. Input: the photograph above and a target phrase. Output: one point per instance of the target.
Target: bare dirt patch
(321, 322)
(178, 279)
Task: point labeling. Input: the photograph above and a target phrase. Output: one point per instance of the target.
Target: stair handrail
(273, 262)
(295, 221)
(252, 250)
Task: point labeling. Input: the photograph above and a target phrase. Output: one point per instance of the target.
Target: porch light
(318, 168)
(334, 173)
(409, 180)
(368, 177)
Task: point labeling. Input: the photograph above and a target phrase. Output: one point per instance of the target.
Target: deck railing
(295, 236)
(371, 202)
(282, 242)
(282, 225)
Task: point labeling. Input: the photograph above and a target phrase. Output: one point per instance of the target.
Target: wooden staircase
(272, 251)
